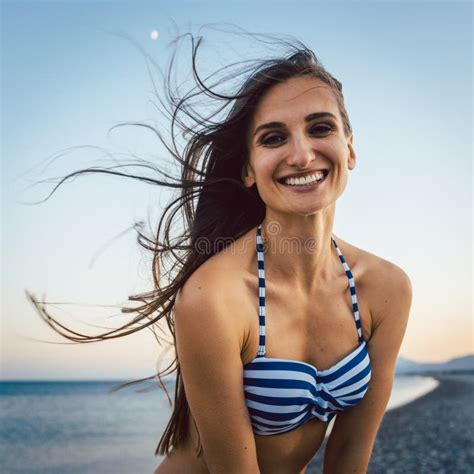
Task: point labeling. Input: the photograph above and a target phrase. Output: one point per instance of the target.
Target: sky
(72, 70)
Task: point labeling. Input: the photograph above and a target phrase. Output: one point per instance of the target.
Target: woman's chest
(319, 328)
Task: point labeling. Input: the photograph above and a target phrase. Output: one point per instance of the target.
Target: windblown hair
(213, 204)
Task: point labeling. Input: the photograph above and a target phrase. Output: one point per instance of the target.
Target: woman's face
(286, 138)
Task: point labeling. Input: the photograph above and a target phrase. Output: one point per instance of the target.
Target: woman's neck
(299, 249)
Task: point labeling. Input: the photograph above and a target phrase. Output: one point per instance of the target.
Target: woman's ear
(352, 158)
(248, 176)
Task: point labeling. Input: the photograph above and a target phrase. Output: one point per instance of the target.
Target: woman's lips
(305, 187)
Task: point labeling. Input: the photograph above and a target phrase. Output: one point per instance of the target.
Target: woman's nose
(302, 153)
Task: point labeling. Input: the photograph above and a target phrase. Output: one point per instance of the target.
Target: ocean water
(407, 388)
(82, 428)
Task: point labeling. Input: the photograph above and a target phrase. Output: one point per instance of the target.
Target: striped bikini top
(283, 394)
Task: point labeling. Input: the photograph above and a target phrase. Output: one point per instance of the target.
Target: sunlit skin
(309, 310)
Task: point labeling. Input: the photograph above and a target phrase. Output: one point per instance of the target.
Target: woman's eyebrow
(308, 118)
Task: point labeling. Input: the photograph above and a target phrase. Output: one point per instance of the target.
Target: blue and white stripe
(283, 394)
(261, 293)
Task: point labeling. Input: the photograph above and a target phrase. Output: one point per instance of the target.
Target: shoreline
(425, 385)
(431, 434)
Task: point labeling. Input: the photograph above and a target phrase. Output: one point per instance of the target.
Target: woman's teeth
(306, 180)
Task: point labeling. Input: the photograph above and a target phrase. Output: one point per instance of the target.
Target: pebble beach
(432, 434)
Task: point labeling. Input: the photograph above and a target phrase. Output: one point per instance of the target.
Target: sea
(83, 427)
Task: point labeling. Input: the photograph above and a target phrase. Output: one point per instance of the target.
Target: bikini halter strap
(261, 291)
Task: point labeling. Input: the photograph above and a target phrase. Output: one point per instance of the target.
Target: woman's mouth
(305, 183)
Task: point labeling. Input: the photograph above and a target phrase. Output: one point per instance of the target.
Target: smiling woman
(273, 339)
(307, 141)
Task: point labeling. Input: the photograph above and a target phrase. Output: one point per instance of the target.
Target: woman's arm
(351, 440)
(209, 339)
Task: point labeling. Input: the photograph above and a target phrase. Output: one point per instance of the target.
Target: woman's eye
(319, 129)
(270, 139)
(322, 128)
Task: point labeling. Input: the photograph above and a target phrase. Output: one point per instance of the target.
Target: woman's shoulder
(372, 264)
(221, 282)
(382, 280)
(225, 268)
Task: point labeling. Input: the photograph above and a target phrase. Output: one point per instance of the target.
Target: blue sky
(68, 75)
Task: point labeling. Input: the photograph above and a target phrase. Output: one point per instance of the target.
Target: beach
(432, 434)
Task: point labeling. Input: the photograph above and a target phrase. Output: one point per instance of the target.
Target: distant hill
(458, 364)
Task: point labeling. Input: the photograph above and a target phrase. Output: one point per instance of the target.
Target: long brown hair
(213, 205)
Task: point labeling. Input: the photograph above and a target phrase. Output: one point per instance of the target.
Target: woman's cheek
(270, 164)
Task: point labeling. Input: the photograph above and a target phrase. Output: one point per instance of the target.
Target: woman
(285, 326)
